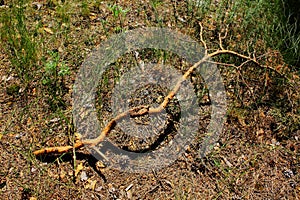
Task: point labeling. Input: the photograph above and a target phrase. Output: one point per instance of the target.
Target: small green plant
(155, 4)
(53, 80)
(119, 14)
(63, 12)
(13, 90)
(85, 10)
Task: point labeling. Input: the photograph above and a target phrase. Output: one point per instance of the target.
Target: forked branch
(144, 110)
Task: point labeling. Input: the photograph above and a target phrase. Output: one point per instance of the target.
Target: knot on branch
(139, 111)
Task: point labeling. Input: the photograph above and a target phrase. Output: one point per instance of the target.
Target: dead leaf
(93, 16)
(78, 169)
(242, 121)
(34, 91)
(48, 30)
(260, 132)
(78, 136)
(91, 184)
(62, 174)
(60, 49)
(100, 165)
(129, 194)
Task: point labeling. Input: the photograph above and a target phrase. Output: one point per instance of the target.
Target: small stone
(33, 170)
(288, 173)
(98, 189)
(18, 136)
(54, 120)
(38, 5)
(83, 176)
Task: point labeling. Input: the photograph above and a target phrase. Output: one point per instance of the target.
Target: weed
(13, 90)
(155, 4)
(63, 12)
(19, 42)
(85, 11)
(53, 79)
(119, 14)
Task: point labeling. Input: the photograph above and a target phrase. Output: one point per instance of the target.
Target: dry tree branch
(221, 38)
(143, 110)
(201, 38)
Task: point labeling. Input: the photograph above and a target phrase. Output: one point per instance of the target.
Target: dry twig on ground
(144, 110)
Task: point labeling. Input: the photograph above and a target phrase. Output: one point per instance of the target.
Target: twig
(59, 150)
(221, 38)
(201, 38)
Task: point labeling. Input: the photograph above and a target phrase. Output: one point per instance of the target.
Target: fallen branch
(144, 110)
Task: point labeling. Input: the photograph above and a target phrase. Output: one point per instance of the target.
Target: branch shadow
(68, 157)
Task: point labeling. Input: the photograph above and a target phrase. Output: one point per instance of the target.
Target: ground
(256, 155)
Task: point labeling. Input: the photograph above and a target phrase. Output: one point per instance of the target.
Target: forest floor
(255, 157)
